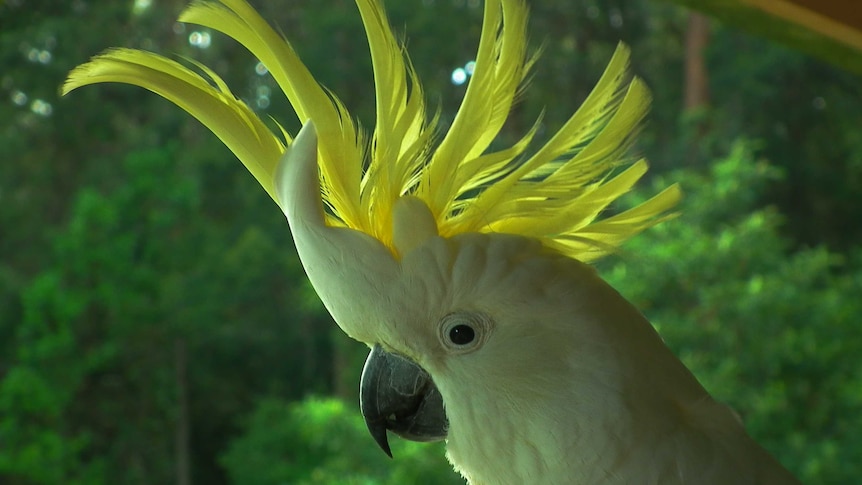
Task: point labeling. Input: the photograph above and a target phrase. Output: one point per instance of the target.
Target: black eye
(462, 334)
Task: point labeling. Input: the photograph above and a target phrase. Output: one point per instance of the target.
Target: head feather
(554, 195)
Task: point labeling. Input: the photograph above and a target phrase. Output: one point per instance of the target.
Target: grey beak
(397, 395)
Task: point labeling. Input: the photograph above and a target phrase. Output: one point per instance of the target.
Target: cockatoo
(466, 270)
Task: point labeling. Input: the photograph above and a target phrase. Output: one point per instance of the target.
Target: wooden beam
(828, 29)
(840, 20)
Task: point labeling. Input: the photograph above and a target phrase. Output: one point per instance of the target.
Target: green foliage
(773, 332)
(130, 281)
(39, 443)
(129, 238)
(82, 318)
(325, 442)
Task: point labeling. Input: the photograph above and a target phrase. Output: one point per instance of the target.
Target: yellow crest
(554, 195)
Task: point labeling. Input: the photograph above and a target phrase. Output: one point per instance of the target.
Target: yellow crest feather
(554, 195)
(216, 107)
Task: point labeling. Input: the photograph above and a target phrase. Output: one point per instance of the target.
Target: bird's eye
(463, 332)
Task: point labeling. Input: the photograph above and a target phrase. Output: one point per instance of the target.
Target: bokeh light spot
(470, 67)
(141, 6)
(616, 18)
(41, 107)
(19, 98)
(201, 40)
(459, 76)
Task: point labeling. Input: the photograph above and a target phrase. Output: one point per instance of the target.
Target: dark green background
(156, 327)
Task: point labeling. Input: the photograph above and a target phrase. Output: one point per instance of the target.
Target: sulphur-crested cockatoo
(465, 270)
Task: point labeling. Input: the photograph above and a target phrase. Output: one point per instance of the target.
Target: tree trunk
(182, 444)
(696, 84)
(696, 76)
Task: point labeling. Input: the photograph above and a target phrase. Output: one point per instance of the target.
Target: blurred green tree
(325, 442)
(122, 326)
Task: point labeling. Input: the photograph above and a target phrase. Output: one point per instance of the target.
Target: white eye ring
(463, 332)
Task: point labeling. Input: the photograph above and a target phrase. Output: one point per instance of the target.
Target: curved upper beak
(396, 394)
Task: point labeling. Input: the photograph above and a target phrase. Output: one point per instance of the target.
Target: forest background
(156, 326)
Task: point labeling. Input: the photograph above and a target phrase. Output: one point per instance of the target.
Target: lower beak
(396, 394)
